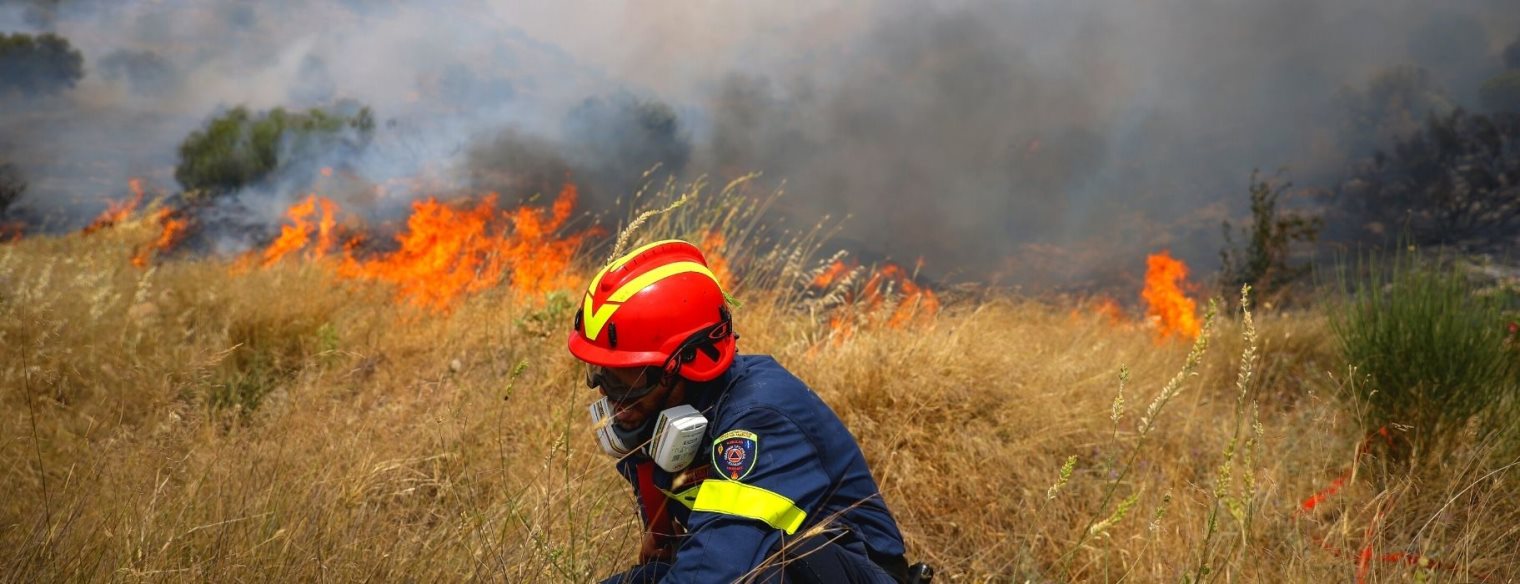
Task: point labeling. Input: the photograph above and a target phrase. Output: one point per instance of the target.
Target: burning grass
(294, 423)
(446, 251)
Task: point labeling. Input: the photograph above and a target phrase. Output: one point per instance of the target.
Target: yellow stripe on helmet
(596, 317)
(736, 498)
(618, 263)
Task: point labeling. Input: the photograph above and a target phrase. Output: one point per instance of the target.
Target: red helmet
(659, 305)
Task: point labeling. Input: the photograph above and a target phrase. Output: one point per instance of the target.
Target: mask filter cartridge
(675, 442)
(677, 438)
(606, 435)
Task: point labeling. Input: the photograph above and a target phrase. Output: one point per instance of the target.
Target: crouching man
(741, 472)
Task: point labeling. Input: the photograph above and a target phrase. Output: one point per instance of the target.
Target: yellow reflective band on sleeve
(736, 498)
(687, 497)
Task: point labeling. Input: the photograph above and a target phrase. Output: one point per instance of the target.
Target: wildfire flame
(295, 236)
(1104, 306)
(832, 274)
(12, 231)
(1175, 314)
(538, 256)
(118, 211)
(172, 229)
(447, 250)
(714, 246)
(889, 296)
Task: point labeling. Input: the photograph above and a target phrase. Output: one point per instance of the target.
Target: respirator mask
(672, 438)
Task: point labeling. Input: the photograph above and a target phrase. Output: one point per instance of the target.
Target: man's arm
(766, 476)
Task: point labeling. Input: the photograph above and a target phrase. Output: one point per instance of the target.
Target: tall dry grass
(187, 423)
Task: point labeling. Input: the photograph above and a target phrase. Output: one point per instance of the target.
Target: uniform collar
(704, 395)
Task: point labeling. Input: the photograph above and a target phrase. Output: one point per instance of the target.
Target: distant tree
(11, 188)
(1512, 54)
(239, 148)
(1502, 92)
(38, 65)
(1456, 182)
(1263, 255)
(1393, 104)
(616, 139)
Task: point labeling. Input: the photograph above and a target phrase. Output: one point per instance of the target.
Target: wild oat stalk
(627, 234)
(1160, 513)
(1071, 464)
(1146, 425)
(1116, 411)
(1117, 516)
(1237, 503)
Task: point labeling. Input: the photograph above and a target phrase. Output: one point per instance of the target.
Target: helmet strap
(704, 340)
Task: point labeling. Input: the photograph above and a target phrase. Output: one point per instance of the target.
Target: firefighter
(777, 489)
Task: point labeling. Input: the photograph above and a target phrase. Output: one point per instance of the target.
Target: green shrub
(1262, 258)
(239, 148)
(1431, 352)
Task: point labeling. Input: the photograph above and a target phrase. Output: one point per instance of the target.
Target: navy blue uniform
(781, 464)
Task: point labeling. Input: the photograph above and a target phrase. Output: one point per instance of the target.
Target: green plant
(1235, 491)
(1143, 430)
(1262, 258)
(1431, 349)
(548, 319)
(239, 148)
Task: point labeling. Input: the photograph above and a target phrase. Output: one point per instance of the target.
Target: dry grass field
(200, 420)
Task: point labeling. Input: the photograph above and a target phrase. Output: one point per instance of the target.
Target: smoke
(147, 73)
(1034, 142)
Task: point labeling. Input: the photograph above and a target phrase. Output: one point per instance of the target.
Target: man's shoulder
(761, 385)
(760, 379)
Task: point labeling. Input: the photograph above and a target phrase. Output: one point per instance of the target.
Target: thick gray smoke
(1039, 142)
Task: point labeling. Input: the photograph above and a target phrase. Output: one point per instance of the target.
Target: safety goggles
(616, 390)
(704, 340)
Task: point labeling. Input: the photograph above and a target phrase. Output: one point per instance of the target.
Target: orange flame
(828, 276)
(540, 259)
(447, 250)
(117, 211)
(1109, 308)
(295, 236)
(890, 290)
(1104, 306)
(1175, 313)
(714, 246)
(173, 229)
(12, 231)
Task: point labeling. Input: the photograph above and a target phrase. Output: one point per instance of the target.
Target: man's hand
(656, 547)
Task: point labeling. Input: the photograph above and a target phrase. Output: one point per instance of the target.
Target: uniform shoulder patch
(734, 453)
